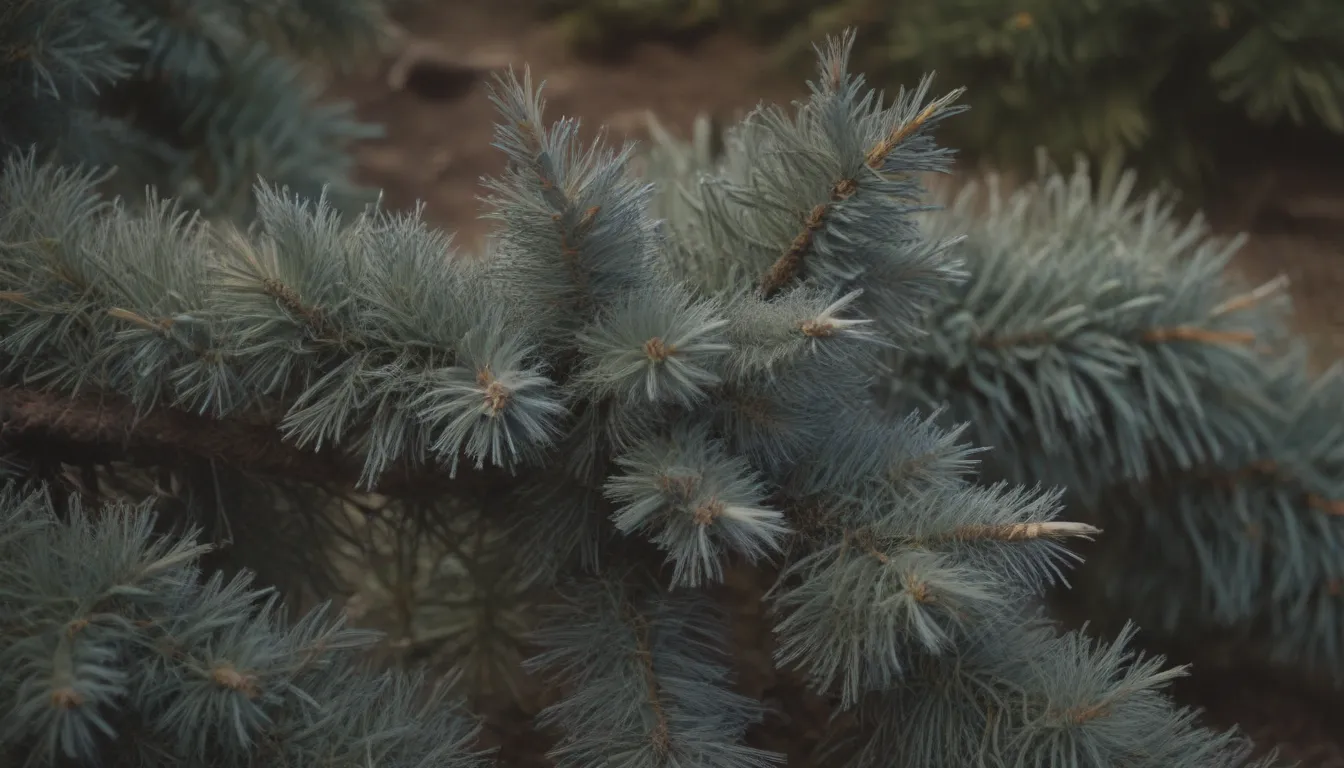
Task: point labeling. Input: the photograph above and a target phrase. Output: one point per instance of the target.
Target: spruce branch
(647, 679)
(574, 230)
(398, 359)
(1025, 531)
(658, 347)
(1100, 345)
(640, 409)
(914, 120)
(114, 427)
(112, 636)
(909, 582)
(1180, 333)
(694, 501)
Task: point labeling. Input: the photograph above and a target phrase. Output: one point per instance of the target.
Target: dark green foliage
(1173, 87)
(196, 99)
(1170, 86)
(626, 429)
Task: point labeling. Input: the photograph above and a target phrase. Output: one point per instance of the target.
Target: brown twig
(1196, 335)
(900, 133)
(1166, 335)
(1055, 529)
(1272, 472)
(790, 263)
(661, 734)
(1252, 297)
(165, 435)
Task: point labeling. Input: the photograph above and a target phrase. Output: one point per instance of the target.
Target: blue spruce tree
(632, 427)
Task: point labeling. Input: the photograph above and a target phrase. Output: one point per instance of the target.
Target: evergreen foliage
(630, 429)
(195, 99)
(118, 650)
(1101, 344)
(1110, 351)
(1166, 85)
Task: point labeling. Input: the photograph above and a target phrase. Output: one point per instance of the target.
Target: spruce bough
(632, 435)
(1104, 345)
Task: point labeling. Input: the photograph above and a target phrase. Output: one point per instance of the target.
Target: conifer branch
(163, 435)
(659, 735)
(1197, 335)
(1026, 531)
(647, 679)
(690, 409)
(1263, 470)
(1160, 390)
(1275, 288)
(787, 268)
(877, 156)
(790, 263)
(1180, 333)
(137, 649)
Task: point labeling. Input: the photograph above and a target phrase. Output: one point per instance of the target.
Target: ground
(431, 96)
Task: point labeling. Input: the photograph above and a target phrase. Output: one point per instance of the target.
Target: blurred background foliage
(1178, 89)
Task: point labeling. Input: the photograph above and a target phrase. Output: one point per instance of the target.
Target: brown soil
(432, 100)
